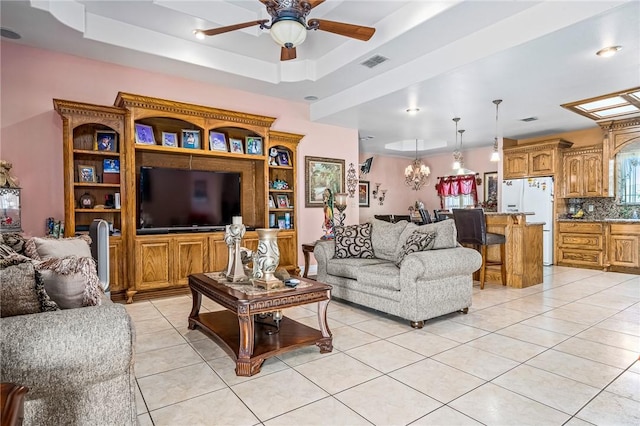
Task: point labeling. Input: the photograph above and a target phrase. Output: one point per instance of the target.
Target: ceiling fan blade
(287, 53)
(216, 31)
(347, 30)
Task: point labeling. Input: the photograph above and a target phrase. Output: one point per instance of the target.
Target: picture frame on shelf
(144, 134)
(86, 173)
(169, 139)
(364, 193)
(321, 173)
(217, 141)
(191, 138)
(254, 145)
(283, 158)
(272, 202)
(235, 145)
(283, 201)
(111, 165)
(106, 140)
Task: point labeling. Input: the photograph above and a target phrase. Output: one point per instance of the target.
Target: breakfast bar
(523, 249)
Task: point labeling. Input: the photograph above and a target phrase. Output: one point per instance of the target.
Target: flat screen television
(180, 200)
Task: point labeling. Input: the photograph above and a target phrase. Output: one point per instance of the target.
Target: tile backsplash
(603, 208)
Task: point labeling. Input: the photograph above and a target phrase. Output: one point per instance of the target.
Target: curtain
(457, 191)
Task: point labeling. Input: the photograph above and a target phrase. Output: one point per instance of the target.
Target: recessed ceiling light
(366, 138)
(6, 33)
(310, 98)
(413, 111)
(608, 52)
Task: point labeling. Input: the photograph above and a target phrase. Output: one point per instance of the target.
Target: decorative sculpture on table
(327, 207)
(266, 259)
(232, 237)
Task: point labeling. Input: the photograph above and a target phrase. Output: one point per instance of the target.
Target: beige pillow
(384, 238)
(71, 282)
(446, 234)
(47, 248)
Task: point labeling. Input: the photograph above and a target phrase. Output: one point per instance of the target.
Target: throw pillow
(446, 234)
(47, 248)
(417, 241)
(72, 282)
(384, 238)
(353, 241)
(13, 240)
(21, 289)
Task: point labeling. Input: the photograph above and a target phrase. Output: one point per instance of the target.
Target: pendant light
(456, 153)
(495, 155)
(461, 169)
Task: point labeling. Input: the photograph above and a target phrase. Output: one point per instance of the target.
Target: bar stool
(472, 229)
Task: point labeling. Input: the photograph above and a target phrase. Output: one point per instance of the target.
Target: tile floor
(562, 352)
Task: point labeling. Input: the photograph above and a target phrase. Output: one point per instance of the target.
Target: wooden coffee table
(246, 339)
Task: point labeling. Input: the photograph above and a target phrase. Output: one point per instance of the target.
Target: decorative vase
(234, 234)
(266, 259)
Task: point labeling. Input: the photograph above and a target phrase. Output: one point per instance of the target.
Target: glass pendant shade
(288, 33)
(495, 155)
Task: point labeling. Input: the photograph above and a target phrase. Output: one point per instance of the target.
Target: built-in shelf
(97, 210)
(92, 153)
(198, 152)
(280, 190)
(96, 185)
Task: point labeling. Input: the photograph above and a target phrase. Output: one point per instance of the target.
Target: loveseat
(401, 278)
(77, 363)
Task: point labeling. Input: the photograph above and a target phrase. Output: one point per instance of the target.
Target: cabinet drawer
(581, 227)
(580, 241)
(580, 257)
(625, 229)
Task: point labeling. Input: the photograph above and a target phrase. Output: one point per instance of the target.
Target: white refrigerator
(532, 195)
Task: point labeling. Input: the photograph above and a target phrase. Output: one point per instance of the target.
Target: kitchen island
(523, 249)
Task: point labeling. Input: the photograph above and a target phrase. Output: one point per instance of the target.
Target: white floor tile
(474, 361)
(337, 372)
(384, 356)
(445, 416)
(493, 405)
(610, 409)
(627, 385)
(327, 411)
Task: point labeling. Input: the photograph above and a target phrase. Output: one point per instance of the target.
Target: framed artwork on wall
(321, 173)
(491, 191)
(363, 193)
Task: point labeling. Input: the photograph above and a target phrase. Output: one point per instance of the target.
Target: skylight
(614, 105)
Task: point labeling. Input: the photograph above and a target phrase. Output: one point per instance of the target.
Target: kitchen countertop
(508, 213)
(611, 220)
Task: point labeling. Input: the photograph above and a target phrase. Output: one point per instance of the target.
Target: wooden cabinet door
(190, 256)
(152, 263)
(573, 176)
(623, 250)
(515, 165)
(592, 175)
(116, 281)
(541, 163)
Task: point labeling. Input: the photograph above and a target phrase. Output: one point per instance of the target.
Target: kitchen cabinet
(581, 244)
(624, 245)
(582, 173)
(537, 159)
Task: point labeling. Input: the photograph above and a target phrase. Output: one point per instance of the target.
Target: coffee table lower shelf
(223, 326)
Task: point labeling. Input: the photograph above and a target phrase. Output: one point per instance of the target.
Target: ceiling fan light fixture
(288, 32)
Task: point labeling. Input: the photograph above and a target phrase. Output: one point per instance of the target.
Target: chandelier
(457, 155)
(416, 175)
(495, 155)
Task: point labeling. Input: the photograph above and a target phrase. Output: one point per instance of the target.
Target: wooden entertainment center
(159, 264)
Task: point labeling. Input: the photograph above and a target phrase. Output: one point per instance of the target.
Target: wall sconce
(352, 180)
(381, 198)
(375, 191)
(340, 202)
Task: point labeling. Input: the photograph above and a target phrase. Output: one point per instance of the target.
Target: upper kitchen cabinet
(582, 172)
(537, 159)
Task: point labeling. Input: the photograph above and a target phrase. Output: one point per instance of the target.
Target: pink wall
(31, 134)
(389, 171)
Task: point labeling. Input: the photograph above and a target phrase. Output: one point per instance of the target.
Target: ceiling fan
(289, 25)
